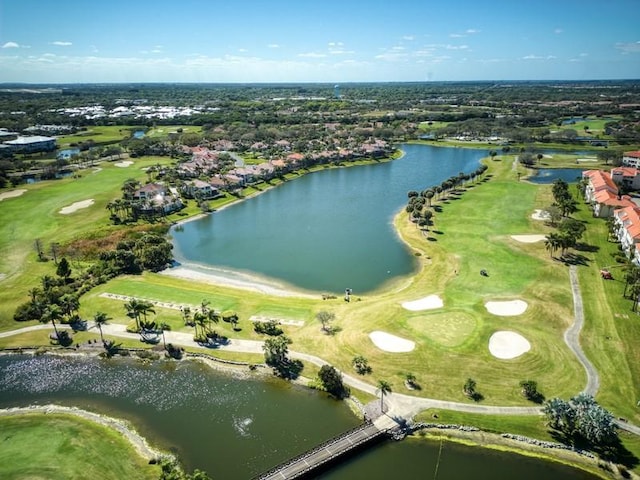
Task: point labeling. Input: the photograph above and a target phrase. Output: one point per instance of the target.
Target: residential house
(631, 159)
(627, 228)
(627, 177)
(200, 189)
(154, 196)
(602, 193)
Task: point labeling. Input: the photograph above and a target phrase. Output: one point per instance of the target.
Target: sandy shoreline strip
(234, 280)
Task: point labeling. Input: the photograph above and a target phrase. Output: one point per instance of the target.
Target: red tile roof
(633, 154)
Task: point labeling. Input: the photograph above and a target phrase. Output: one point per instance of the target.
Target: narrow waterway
(234, 426)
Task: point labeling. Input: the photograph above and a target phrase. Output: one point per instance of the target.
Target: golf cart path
(399, 405)
(572, 335)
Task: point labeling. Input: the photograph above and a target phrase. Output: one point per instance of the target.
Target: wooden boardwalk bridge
(325, 453)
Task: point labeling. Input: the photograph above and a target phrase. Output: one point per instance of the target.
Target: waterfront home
(200, 189)
(155, 196)
(603, 194)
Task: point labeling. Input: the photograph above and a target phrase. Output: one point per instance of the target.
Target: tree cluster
(581, 420)
(569, 230)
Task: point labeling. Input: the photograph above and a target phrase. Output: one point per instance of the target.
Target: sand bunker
(541, 215)
(509, 308)
(528, 238)
(11, 194)
(391, 343)
(76, 206)
(506, 345)
(426, 303)
(123, 164)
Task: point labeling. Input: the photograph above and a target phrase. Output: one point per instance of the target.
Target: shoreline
(498, 442)
(473, 438)
(137, 441)
(234, 279)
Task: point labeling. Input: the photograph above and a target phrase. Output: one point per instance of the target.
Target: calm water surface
(550, 175)
(236, 428)
(326, 231)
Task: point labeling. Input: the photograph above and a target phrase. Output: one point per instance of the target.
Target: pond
(325, 231)
(235, 427)
(550, 175)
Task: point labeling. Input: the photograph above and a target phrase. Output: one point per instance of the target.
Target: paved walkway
(572, 335)
(398, 406)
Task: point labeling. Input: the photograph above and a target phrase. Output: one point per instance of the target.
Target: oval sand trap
(76, 206)
(123, 164)
(11, 194)
(391, 343)
(509, 308)
(426, 303)
(528, 238)
(506, 345)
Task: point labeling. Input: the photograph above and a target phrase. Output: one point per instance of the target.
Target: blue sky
(69, 41)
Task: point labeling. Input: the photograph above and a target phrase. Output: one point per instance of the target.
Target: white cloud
(457, 47)
(472, 31)
(336, 48)
(558, 31)
(312, 55)
(539, 57)
(408, 38)
(628, 47)
(584, 55)
(10, 45)
(61, 44)
(273, 45)
(456, 35)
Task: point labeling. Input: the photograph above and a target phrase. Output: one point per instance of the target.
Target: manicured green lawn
(35, 215)
(471, 232)
(99, 134)
(62, 447)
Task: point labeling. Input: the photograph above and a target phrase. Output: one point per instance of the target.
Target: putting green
(449, 329)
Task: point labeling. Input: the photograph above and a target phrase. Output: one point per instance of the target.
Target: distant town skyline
(74, 41)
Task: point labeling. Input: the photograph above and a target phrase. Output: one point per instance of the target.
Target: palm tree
(134, 309)
(552, 243)
(101, 318)
(200, 319)
(384, 388)
(34, 292)
(186, 315)
(164, 326)
(146, 307)
(51, 314)
(69, 303)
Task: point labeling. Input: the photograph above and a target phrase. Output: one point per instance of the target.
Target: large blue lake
(325, 231)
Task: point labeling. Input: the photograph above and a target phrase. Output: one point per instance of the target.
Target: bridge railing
(318, 448)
